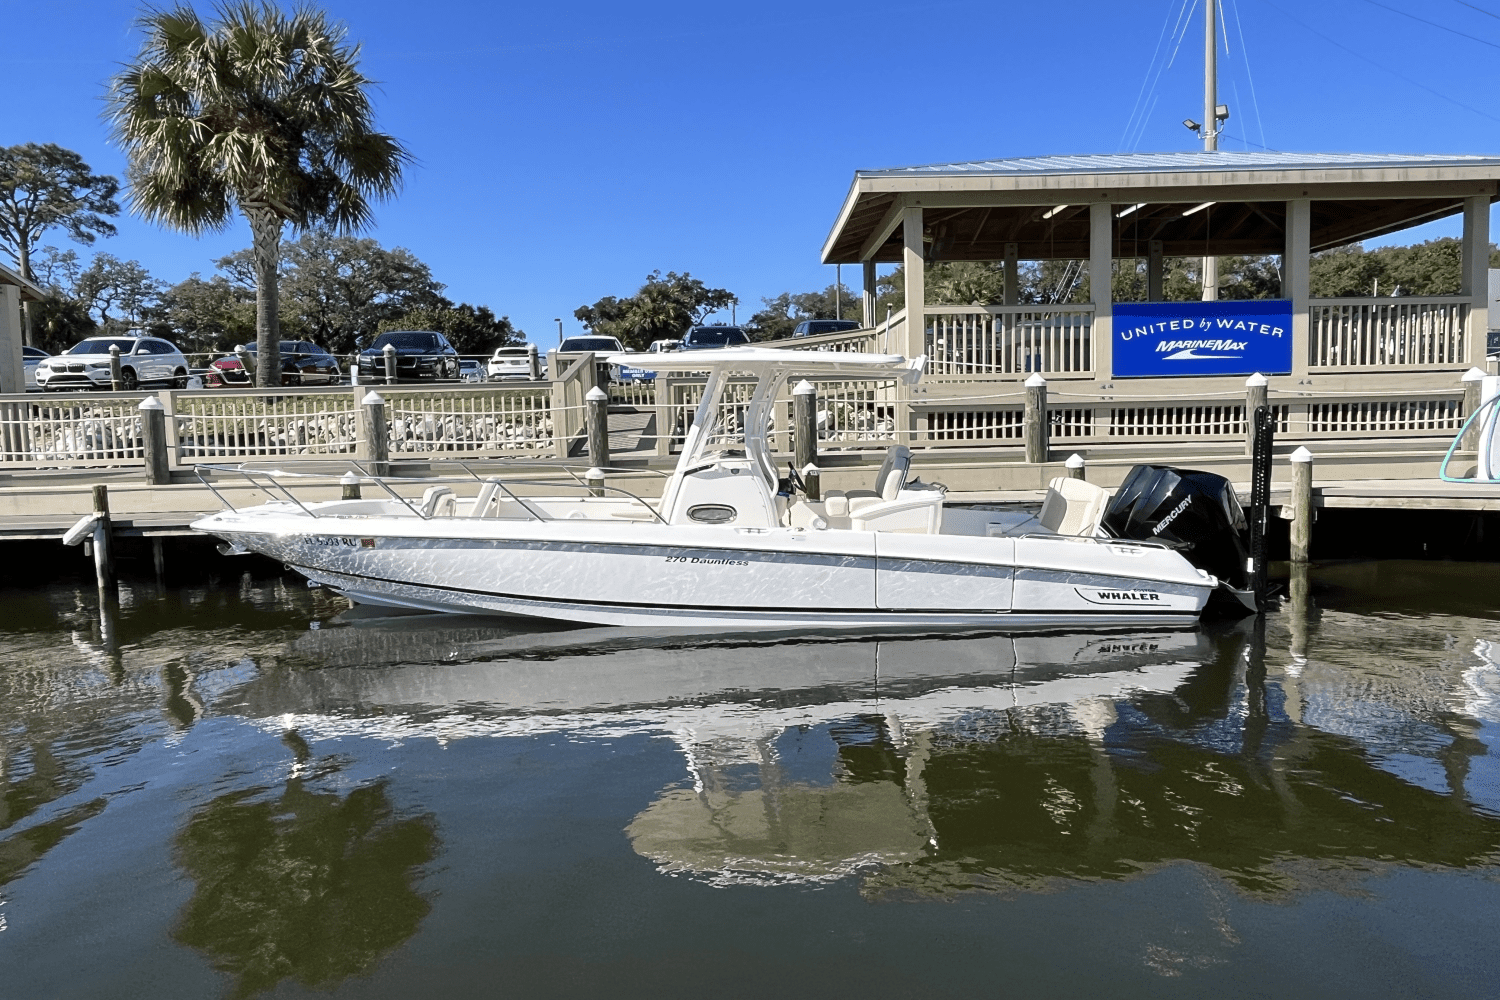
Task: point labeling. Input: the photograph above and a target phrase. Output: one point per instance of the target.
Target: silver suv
(143, 361)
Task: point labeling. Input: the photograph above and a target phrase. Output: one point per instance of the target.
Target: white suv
(143, 360)
(510, 362)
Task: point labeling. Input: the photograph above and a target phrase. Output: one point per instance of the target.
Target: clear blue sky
(567, 149)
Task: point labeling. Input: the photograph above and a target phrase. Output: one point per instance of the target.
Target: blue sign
(1203, 338)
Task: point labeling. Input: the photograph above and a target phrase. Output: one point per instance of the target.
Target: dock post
(247, 365)
(1302, 505)
(114, 368)
(1473, 382)
(1255, 398)
(812, 481)
(159, 561)
(595, 480)
(804, 424)
(1034, 423)
(104, 556)
(596, 412)
(534, 362)
(350, 482)
(154, 441)
(390, 364)
(374, 433)
(1074, 465)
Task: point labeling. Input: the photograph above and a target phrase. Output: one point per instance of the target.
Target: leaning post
(374, 435)
(1034, 424)
(1074, 465)
(154, 440)
(1302, 505)
(1255, 397)
(1473, 382)
(104, 556)
(596, 413)
(804, 424)
(114, 368)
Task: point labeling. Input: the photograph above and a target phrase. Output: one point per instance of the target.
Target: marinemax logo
(1202, 338)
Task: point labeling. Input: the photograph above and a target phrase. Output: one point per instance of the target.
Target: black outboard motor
(1196, 513)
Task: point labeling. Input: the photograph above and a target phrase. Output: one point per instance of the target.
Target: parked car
(302, 363)
(662, 346)
(599, 345)
(510, 362)
(702, 338)
(813, 327)
(421, 355)
(33, 356)
(143, 361)
(470, 370)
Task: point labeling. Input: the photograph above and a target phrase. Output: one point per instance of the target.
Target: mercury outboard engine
(1196, 513)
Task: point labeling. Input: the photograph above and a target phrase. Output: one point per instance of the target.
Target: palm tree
(258, 110)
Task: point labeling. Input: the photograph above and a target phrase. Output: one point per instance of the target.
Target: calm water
(242, 787)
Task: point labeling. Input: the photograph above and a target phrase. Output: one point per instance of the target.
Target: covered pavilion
(1100, 208)
(14, 289)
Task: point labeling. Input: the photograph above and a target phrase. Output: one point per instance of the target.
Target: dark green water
(242, 788)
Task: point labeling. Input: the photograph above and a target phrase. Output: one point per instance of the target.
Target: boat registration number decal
(342, 541)
(705, 561)
(1118, 596)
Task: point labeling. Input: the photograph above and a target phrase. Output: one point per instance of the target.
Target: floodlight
(1222, 112)
(1191, 125)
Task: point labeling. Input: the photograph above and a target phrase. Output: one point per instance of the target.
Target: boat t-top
(731, 542)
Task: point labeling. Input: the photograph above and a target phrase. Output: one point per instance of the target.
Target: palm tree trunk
(265, 231)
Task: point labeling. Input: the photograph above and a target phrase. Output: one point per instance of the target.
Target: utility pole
(1210, 128)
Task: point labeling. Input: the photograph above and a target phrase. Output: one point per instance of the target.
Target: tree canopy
(259, 110)
(663, 308)
(781, 314)
(470, 329)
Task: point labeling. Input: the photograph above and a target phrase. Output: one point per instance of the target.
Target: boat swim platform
(43, 505)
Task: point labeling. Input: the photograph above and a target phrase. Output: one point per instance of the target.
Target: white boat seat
(1073, 507)
(438, 501)
(892, 474)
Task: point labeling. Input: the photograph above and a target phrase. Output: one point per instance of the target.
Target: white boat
(730, 543)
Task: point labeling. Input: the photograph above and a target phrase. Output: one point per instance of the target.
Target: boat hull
(644, 574)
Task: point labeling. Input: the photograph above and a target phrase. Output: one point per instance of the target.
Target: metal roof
(972, 211)
(1114, 163)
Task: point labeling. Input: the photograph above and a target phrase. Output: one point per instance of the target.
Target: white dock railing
(1383, 334)
(967, 341)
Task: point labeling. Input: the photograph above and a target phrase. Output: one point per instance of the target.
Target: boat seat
(438, 501)
(892, 474)
(1073, 507)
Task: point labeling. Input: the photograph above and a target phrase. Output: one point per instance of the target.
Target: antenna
(1214, 117)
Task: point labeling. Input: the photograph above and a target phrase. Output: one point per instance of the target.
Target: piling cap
(389, 348)
(1255, 381)
(595, 394)
(1075, 461)
(114, 348)
(373, 398)
(594, 473)
(804, 388)
(1302, 455)
(1472, 375)
(811, 470)
(150, 403)
(348, 478)
(1036, 381)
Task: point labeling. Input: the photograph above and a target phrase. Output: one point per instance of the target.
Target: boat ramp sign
(1203, 338)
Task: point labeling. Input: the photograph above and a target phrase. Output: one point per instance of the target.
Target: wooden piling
(390, 364)
(1473, 383)
(595, 480)
(1255, 397)
(350, 482)
(804, 424)
(1302, 505)
(1074, 465)
(115, 377)
(812, 481)
(374, 435)
(1034, 423)
(104, 555)
(534, 362)
(596, 413)
(154, 441)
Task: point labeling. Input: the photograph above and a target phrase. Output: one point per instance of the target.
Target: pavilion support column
(1012, 274)
(12, 330)
(1475, 282)
(915, 265)
(1101, 258)
(1294, 276)
(868, 320)
(1154, 265)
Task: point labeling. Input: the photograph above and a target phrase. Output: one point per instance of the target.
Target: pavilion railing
(1017, 341)
(1381, 334)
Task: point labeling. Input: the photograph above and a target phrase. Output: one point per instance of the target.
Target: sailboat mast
(1210, 125)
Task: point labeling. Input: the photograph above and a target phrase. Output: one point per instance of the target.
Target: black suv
(813, 327)
(701, 338)
(421, 355)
